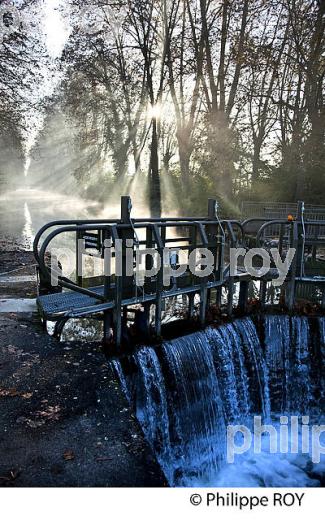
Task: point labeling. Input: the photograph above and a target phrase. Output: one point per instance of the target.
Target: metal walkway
(115, 293)
(68, 304)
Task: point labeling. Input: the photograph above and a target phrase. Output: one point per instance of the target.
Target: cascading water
(288, 359)
(197, 422)
(320, 374)
(151, 406)
(256, 364)
(186, 393)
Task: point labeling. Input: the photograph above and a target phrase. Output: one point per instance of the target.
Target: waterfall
(120, 374)
(277, 345)
(186, 392)
(255, 360)
(288, 360)
(197, 419)
(151, 406)
(320, 356)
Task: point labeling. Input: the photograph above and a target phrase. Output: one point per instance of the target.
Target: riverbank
(64, 420)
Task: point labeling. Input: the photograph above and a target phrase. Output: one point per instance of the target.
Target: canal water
(23, 212)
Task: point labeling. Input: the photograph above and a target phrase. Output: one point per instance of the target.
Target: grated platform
(52, 305)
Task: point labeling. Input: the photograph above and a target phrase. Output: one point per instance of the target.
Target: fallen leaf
(11, 392)
(28, 395)
(68, 455)
(51, 413)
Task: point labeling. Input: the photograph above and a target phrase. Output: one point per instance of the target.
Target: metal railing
(279, 210)
(186, 234)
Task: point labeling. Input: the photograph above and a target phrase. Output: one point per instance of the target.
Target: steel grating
(60, 303)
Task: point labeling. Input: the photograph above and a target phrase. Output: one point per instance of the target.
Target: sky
(56, 28)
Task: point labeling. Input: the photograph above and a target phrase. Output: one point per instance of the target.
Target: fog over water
(23, 212)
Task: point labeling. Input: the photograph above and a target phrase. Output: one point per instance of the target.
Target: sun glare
(154, 111)
(55, 28)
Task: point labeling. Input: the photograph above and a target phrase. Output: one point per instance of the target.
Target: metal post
(282, 229)
(126, 207)
(231, 287)
(212, 231)
(204, 280)
(243, 295)
(231, 283)
(191, 305)
(203, 304)
(297, 242)
(191, 296)
(78, 259)
(291, 286)
(117, 299)
(118, 312)
(126, 234)
(159, 284)
(212, 208)
(262, 295)
(107, 327)
(301, 238)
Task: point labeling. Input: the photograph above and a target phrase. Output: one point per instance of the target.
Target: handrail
(40, 256)
(62, 281)
(96, 226)
(77, 222)
(187, 233)
(264, 226)
(254, 219)
(62, 223)
(319, 223)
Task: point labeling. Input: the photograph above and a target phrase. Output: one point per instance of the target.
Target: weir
(188, 391)
(117, 297)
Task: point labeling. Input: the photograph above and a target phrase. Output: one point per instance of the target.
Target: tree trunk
(154, 176)
(184, 152)
(184, 159)
(256, 162)
(222, 154)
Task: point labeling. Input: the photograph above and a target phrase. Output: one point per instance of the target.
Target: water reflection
(28, 232)
(24, 211)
